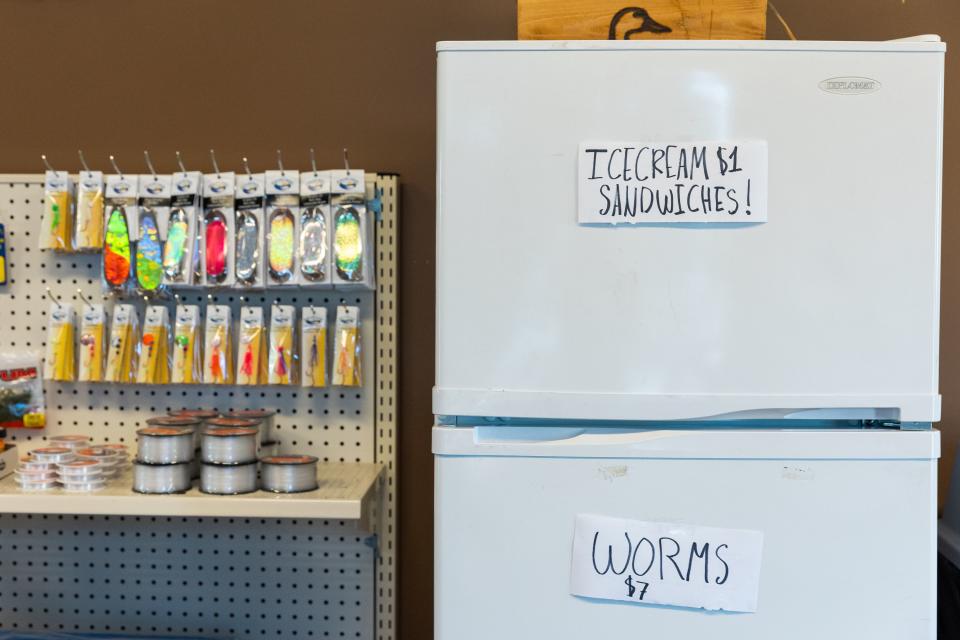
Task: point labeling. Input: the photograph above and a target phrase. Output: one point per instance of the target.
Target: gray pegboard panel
(208, 577)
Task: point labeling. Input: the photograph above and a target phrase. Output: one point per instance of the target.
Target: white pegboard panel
(348, 425)
(208, 577)
(335, 424)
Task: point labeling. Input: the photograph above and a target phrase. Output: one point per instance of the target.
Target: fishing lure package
(153, 213)
(217, 346)
(252, 347)
(348, 353)
(313, 346)
(55, 228)
(186, 345)
(181, 251)
(21, 391)
(59, 362)
(93, 333)
(352, 236)
(282, 227)
(124, 344)
(88, 225)
(282, 369)
(217, 229)
(119, 231)
(248, 247)
(313, 245)
(154, 365)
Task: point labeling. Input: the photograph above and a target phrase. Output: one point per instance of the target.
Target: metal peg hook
(246, 165)
(51, 296)
(313, 162)
(83, 161)
(146, 158)
(176, 298)
(280, 161)
(115, 167)
(213, 159)
(346, 160)
(84, 298)
(46, 163)
(183, 169)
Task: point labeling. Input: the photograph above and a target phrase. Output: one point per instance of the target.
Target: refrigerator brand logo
(850, 86)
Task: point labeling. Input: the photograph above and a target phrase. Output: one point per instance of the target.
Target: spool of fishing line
(53, 454)
(229, 445)
(228, 479)
(161, 478)
(69, 442)
(288, 474)
(165, 445)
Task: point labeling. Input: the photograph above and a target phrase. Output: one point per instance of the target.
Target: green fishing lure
(149, 252)
(116, 248)
(175, 248)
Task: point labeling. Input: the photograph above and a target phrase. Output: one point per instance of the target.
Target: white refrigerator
(695, 286)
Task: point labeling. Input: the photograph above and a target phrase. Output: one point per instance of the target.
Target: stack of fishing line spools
(72, 463)
(165, 455)
(223, 451)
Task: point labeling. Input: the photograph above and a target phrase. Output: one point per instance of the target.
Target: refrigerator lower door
(848, 518)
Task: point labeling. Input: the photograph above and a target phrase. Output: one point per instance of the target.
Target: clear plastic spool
(228, 479)
(229, 445)
(161, 478)
(165, 445)
(288, 474)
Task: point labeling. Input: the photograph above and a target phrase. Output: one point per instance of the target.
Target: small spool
(84, 470)
(108, 459)
(83, 487)
(224, 480)
(29, 464)
(40, 475)
(229, 445)
(161, 478)
(37, 486)
(165, 445)
(288, 474)
(70, 442)
(53, 454)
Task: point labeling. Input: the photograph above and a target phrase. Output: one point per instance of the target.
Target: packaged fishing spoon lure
(248, 249)
(282, 227)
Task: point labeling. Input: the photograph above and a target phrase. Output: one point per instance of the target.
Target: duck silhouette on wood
(647, 23)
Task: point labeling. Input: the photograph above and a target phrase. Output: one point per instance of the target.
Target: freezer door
(833, 303)
(849, 540)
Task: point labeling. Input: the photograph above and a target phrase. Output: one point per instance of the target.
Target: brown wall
(233, 76)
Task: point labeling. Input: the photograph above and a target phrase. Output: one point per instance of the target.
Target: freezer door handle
(729, 444)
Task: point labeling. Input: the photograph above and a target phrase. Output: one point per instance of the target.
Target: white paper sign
(662, 563)
(672, 182)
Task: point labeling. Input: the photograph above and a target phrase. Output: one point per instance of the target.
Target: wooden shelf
(347, 491)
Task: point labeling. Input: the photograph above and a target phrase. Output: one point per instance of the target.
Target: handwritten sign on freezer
(672, 182)
(662, 563)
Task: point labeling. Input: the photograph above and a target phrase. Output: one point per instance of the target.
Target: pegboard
(208, 577)
(336, 424)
